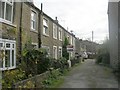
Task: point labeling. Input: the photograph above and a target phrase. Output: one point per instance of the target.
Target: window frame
(71, 40)
(35, 21)
(11, 48)
(60, 36)
(61, 51)
(55, 56)
(4, 17)
(45, 27)
(55, 31)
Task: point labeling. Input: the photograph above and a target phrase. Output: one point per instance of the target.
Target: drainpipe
(20, 33)
(40, 27)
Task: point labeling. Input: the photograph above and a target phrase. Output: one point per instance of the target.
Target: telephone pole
(92, 36)
(92, 43)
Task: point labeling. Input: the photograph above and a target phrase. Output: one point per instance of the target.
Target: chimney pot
(56, 20)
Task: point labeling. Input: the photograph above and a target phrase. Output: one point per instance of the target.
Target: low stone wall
(33, 82)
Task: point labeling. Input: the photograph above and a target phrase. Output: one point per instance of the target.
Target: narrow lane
(90, 75)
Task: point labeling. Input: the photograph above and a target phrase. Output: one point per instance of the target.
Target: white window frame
(60, 35)
(54, 31)
(45, 25)
(11, 42)
(71, 40)
(35, 21)
(55, 56)
(4, 17)
(68, 38)
(61, 51)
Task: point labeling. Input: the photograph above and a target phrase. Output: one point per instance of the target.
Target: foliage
(103, 55)
(43, 64)
(60, 63)
(52, 79)
(65, 54)
(11, 77)
(29, 84)
(35, 62)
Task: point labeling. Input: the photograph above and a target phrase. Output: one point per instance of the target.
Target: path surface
(90, 75)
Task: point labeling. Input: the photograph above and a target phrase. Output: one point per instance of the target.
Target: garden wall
(32, 82)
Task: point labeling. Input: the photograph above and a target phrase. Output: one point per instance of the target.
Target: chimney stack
(41, 7)
(56, 20)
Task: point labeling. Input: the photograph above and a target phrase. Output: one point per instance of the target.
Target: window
(45, 27)
(47, 49)
(7, 54)
(55, 52)
(60, 51)
(6, 10)
(68, 37)
(71, 40)
(33, 20)
(54, 31)
(60, 34)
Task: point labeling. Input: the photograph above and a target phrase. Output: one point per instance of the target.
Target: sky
(80, 16)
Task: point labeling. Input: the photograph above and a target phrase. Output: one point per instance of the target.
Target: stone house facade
(21, 22)
(114, 32)
(51, 36)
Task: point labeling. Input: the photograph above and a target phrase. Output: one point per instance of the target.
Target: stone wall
(32, 82)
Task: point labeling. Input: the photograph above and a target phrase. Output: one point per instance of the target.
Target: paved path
(90, 75)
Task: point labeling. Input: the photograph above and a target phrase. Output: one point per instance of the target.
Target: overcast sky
(81, 16)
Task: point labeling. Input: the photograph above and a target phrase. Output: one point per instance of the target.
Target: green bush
(99, 58)
(63, 63)
(103, 58)
(35, 62)
(43, 64)
(53, 78)
(12, 76)
(103, 55)
(59, 63)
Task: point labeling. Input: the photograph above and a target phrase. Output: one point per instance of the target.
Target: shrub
(103, 55)
(30, 59)
(35, 62)
(103, 58)
(99, 59)
(59, 63)
(43, 64)
(12, 76)
(63, 63)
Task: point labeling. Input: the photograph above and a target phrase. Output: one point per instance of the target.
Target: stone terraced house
(23, 21)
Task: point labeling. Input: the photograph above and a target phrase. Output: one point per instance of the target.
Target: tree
(65, 54)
